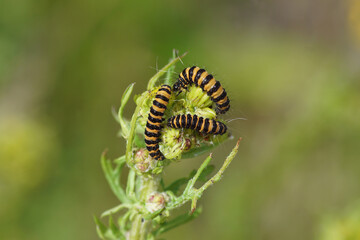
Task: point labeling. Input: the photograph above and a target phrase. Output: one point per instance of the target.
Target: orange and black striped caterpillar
(153, 125)
(200, 124)
(207, 83)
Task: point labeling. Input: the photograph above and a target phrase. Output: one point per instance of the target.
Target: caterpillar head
(177, 86)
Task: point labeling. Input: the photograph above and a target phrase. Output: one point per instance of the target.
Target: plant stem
(141, 227)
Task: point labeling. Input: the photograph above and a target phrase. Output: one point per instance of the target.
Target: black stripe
(160, 105)
(214, 88)
(173, 122)
(198, 127)
(154, 120)
(151, 141)
(225, 129)
(206, 81)
(164, 89)
(156, 113)
(159, 156)
(191, 72)
(184, 74)
(178, 121)
(226, 109)
(153, 148)
(198, 74)
(214, 126)
(162, 97)
(166, 86)
(221, 125)
(221, 97)
(206, 125)
(152, 134)
(189, 118)
(152, 126)
(183, 83)
(154, 154)
(222, 110)
(224, 104)
(183, 121)
(193, 123)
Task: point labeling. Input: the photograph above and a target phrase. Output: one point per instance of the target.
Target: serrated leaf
(125, 124)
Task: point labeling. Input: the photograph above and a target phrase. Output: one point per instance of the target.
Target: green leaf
(115, 209)
(101, 229)
(113, 177)
(139, 141)
(175, 186)
(192, 174)
(182, 219)
(206, 172)
(198, 151)
(114, 229)
(205, 146)
(125, 125)
(162, 184)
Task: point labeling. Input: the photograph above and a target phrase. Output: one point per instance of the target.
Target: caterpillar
(207, 83)
(153, 125)
(200, 124)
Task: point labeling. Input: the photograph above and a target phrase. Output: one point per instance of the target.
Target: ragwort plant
(146, 202)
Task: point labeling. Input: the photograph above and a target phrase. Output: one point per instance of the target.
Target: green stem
(130, 189)
(142, 227)
(130, 140)
(193, 194)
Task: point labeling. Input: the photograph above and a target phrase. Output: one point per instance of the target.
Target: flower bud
(142, 160)
(156, 201)
(172, 143)
(197, 98)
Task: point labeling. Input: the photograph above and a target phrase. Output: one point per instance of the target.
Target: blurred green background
(291, 68)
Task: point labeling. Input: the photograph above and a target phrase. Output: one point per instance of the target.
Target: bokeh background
(291, 68)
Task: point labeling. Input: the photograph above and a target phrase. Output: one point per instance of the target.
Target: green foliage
(147, 210)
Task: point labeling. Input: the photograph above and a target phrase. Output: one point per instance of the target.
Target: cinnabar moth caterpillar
(153, 125)
(200, 124)
(207, 83)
